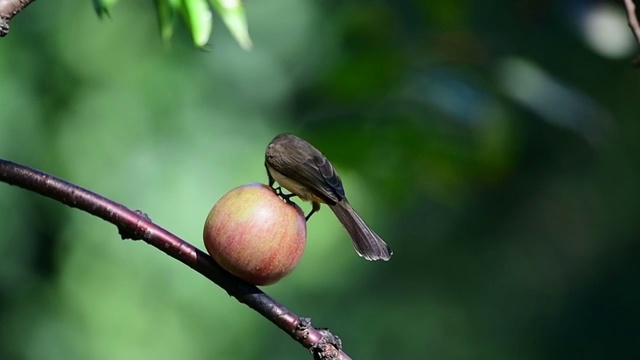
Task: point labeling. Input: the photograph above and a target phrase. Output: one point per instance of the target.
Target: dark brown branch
(633, 24)
(9, 9)
(137, 226)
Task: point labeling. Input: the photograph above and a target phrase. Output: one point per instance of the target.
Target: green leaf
(234, 16)
(200, 19)
(166, 10)
(102, 7)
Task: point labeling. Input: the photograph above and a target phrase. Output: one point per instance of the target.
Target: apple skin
(252, 233)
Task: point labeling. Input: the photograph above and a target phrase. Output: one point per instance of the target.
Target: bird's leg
(278, 190)
(315, 207)
(286, 197)
(272, 182)
(283, 196)
(271, 179)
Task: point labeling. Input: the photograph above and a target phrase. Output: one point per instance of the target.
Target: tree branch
(137, 226)
(633, 24)
(9, 9)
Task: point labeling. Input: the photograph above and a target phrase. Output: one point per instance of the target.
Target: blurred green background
(494, 145)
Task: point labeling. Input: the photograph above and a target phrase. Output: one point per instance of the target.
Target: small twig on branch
(137, 226)
(633, 24)
(9, 9)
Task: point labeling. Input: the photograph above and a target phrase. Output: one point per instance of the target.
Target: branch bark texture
(9, 9)
(137, 226)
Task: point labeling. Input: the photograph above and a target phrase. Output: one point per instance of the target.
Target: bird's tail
(367, 243)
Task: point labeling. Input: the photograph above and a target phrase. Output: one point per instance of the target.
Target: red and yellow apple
(254, 234)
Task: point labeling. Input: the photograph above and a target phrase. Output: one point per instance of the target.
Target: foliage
(197, 16)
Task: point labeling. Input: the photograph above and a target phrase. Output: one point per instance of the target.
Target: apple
(255, 235)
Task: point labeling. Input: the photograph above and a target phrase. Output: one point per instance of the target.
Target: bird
(304, 171)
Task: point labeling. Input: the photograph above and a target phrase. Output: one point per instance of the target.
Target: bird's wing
(315, 172)
(331, 179)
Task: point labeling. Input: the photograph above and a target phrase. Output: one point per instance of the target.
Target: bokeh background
(495, 145)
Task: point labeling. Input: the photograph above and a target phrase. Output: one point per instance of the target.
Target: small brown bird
(302, 169)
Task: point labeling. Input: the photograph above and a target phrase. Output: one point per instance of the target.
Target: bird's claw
(283, 196)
